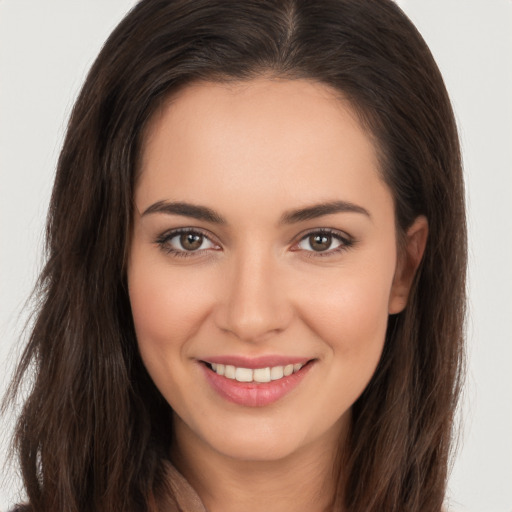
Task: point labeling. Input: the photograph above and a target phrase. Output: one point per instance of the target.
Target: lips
(255, 382)
(256, 362)
(266, 374)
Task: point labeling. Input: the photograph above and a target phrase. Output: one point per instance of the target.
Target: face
(263, 264)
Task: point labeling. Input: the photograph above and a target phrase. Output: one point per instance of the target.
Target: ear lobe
(408, 262)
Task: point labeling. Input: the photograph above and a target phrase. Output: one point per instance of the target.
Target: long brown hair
(95, 432)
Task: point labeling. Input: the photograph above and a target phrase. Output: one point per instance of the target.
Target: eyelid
(168, 235)
(347, 241)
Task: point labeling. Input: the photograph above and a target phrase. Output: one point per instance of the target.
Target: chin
(266, 439)
(259, 450)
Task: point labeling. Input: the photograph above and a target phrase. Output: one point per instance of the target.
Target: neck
(302, 481)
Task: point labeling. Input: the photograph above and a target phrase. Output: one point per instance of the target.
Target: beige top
(187, 498)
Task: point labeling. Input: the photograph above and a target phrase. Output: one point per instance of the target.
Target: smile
(255, 387)
(267, 374)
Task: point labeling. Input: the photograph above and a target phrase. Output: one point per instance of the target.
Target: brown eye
(185, 242)
(191, 241)
(320, 242)
(323, 241)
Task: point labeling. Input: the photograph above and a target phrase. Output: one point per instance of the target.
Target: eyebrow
(186, 210)
(290, 217)
(318, 210)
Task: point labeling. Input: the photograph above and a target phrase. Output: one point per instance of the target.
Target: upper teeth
(256, 375)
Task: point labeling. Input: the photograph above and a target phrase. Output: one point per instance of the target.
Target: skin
(252, 152)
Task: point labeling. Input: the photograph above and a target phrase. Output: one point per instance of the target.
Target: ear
(408, 262)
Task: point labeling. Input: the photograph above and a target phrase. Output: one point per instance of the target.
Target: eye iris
(320, 242)
(191, 241)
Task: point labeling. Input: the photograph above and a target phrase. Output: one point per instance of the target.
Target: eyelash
(163, 242)
(346, 242)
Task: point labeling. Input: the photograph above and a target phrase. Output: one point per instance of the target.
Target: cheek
(352, 299)
(348, 311)
(166, 307)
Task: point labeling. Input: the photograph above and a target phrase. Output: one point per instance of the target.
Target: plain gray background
(46, 47)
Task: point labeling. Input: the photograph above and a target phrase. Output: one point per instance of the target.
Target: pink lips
(252, 394)
(257, 362)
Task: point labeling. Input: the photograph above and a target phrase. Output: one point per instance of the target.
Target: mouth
(256, 375)
(255, 387)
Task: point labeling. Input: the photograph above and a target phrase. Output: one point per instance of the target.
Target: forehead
(280, 139)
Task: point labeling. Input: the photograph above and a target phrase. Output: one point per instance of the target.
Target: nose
(254, 306)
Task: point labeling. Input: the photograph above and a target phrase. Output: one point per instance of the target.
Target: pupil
(320, 242)
(191, 241)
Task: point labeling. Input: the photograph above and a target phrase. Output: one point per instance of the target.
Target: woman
(255, 283)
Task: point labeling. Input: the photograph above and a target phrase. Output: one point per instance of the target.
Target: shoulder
(180, 497)
(183, 496)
